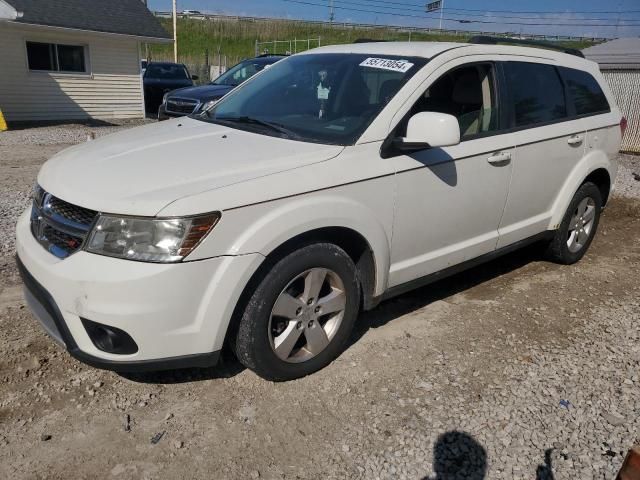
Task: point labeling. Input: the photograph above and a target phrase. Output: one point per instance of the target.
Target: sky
(598, 18)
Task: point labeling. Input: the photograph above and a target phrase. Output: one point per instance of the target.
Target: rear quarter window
(537, 93)
(584, 92)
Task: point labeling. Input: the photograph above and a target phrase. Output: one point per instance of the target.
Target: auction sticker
(387, 64)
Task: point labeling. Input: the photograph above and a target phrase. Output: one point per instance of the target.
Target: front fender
(264, 227)
(590, 163)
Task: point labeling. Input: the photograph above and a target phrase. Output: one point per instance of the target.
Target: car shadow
(416, 299)
(228, 366)
(387, 311)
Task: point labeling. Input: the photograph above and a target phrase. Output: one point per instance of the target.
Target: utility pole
(175, 31)
(441, 13)
(146, 45)
(331, 13)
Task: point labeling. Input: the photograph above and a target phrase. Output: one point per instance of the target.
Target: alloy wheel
(307, 315)
(581, 225)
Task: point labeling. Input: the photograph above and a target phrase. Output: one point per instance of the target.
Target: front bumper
(177, 314)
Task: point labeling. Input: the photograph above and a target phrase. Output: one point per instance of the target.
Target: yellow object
(3, 124)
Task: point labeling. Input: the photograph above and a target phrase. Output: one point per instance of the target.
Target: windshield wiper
(263, 123)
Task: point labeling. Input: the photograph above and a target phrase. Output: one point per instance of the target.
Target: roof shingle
(127, 17)
(617, 53)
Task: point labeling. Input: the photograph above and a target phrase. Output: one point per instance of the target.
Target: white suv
(331, 181)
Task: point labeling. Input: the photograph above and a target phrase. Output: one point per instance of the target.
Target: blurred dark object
(631, 467)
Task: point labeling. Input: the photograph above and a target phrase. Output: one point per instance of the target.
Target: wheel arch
(595, 167)
(350, 240)
(601, 178)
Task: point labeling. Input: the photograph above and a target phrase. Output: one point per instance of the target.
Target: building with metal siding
(619, 62)
(73, 59)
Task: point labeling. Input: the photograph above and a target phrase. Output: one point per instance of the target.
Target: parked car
(162, 77)
(335, 179)
(186, 101)
(191, 12)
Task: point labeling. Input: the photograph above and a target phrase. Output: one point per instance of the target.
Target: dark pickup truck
(162, 77)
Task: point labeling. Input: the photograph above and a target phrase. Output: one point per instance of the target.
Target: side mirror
(194, 77)
(429, 130)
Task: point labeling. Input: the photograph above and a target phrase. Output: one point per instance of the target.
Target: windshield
(166, 71)
(323, 98)
(240, 73)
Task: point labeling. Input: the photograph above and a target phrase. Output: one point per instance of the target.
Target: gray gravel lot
(66, 134)
(518, 369)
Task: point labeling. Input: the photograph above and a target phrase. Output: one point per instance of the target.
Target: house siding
(111, 88)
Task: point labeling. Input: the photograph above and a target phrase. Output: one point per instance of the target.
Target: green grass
(236, 38)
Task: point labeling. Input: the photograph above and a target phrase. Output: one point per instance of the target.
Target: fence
(625, 85)
(400, 28)
(261, 47)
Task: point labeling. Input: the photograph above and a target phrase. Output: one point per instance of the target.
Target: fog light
(109, 339)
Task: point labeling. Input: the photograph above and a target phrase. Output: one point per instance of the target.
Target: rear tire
(300, 317)
(575, 234)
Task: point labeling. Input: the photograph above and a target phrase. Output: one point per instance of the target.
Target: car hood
(141, 170)
(203, 93)
(167, 82)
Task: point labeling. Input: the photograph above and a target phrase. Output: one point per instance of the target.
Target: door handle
(575, 140)
(500, 157)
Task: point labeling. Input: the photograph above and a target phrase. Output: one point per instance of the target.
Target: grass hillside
(236, 38)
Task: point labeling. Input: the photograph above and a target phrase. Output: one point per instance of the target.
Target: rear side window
(537, 93)
(584, 92)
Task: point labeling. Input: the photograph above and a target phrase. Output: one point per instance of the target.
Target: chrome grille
(183, 106)
(78, 215)
(60, 227)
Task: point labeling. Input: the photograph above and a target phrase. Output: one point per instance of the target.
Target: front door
(449, 201)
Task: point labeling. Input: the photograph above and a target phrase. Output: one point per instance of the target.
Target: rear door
(550, 140)
(589, 102)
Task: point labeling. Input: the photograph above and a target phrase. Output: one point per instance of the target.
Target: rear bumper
(48, 314)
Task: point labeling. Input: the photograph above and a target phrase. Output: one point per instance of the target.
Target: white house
(73, 59)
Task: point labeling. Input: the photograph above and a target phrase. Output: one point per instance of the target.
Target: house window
(53, 57)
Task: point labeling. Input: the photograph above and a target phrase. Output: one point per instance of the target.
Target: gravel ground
(517, 369)
(67, 134)
(628, 180)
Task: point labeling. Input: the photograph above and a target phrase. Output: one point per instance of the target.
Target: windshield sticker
(387, 64)
(323, 92)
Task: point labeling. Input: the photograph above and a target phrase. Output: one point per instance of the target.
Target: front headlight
(162, 240)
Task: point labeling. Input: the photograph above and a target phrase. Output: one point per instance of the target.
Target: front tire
(300, 316)
(578, 227)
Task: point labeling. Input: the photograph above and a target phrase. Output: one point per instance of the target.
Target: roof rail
(487, 40)
(368, 40)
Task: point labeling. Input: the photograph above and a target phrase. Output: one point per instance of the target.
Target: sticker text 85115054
(387, 64)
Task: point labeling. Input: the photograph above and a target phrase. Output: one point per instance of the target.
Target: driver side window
(469, 94)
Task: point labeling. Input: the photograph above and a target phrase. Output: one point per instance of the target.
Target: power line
(301, 2)
(490, 15)
(448, 9)
(487, 15)
(594, 12)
